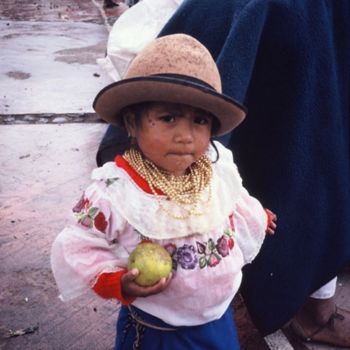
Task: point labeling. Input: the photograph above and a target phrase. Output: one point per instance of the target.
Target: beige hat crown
(175, 68)
(176, 54)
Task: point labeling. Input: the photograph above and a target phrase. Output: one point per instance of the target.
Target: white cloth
(326, 291)
(135, 28)
(208, 251)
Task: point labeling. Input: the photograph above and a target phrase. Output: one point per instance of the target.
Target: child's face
(173, 136)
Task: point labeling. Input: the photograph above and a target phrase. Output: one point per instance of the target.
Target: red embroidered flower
(232, 224)
(231, 243)
(82, 204)
(213, 260)
(100, 222)
(222, 246)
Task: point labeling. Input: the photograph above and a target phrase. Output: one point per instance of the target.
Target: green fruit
(153, 262)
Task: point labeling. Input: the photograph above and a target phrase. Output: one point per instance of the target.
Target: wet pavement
(48, 138)
(49, 52)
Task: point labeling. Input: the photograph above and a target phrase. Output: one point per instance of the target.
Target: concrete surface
(48, 76)
(43, 170)
(48, 54)
(51, 10)
(50, 66)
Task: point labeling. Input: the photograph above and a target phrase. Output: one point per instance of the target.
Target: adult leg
(320, 320)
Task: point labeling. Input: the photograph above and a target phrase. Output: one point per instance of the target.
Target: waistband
(147, 320)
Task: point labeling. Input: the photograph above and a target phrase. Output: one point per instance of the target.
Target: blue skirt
(137, 330)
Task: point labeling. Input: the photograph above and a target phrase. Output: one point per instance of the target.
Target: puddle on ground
(18, 75)
(82, 55)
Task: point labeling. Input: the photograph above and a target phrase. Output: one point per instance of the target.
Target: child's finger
(131, 275)
(270, 231)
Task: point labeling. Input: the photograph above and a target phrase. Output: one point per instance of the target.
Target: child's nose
(184, 131)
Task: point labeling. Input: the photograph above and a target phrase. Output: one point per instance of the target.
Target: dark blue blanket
(289, 63)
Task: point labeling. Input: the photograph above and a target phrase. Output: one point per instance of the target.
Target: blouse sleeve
(250, 225)
(89, 246)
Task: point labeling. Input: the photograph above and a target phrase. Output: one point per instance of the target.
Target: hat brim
(114, 97)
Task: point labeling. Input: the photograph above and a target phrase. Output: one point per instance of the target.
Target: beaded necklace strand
(184, 190)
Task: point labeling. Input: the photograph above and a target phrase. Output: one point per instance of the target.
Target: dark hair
(216, 151)
(215, 125)
(135, 109)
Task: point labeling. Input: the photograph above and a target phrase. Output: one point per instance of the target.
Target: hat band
(187, 78)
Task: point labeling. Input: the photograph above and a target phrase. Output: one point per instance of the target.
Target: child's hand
(131, 289)
(271, 222)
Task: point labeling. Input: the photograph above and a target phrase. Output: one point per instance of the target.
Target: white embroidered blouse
(208, 251)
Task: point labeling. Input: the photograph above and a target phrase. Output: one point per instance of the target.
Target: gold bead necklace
(184, 190)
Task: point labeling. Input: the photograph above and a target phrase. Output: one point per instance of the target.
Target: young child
(175, 187)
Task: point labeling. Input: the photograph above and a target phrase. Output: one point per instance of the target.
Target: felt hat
(175, 68)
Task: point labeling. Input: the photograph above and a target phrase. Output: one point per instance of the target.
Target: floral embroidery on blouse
(211, 253)
(186, 256)
(205, 254)
(89, 216)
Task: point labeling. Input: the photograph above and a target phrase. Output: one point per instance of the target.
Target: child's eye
(202, 120)
(167, 118)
